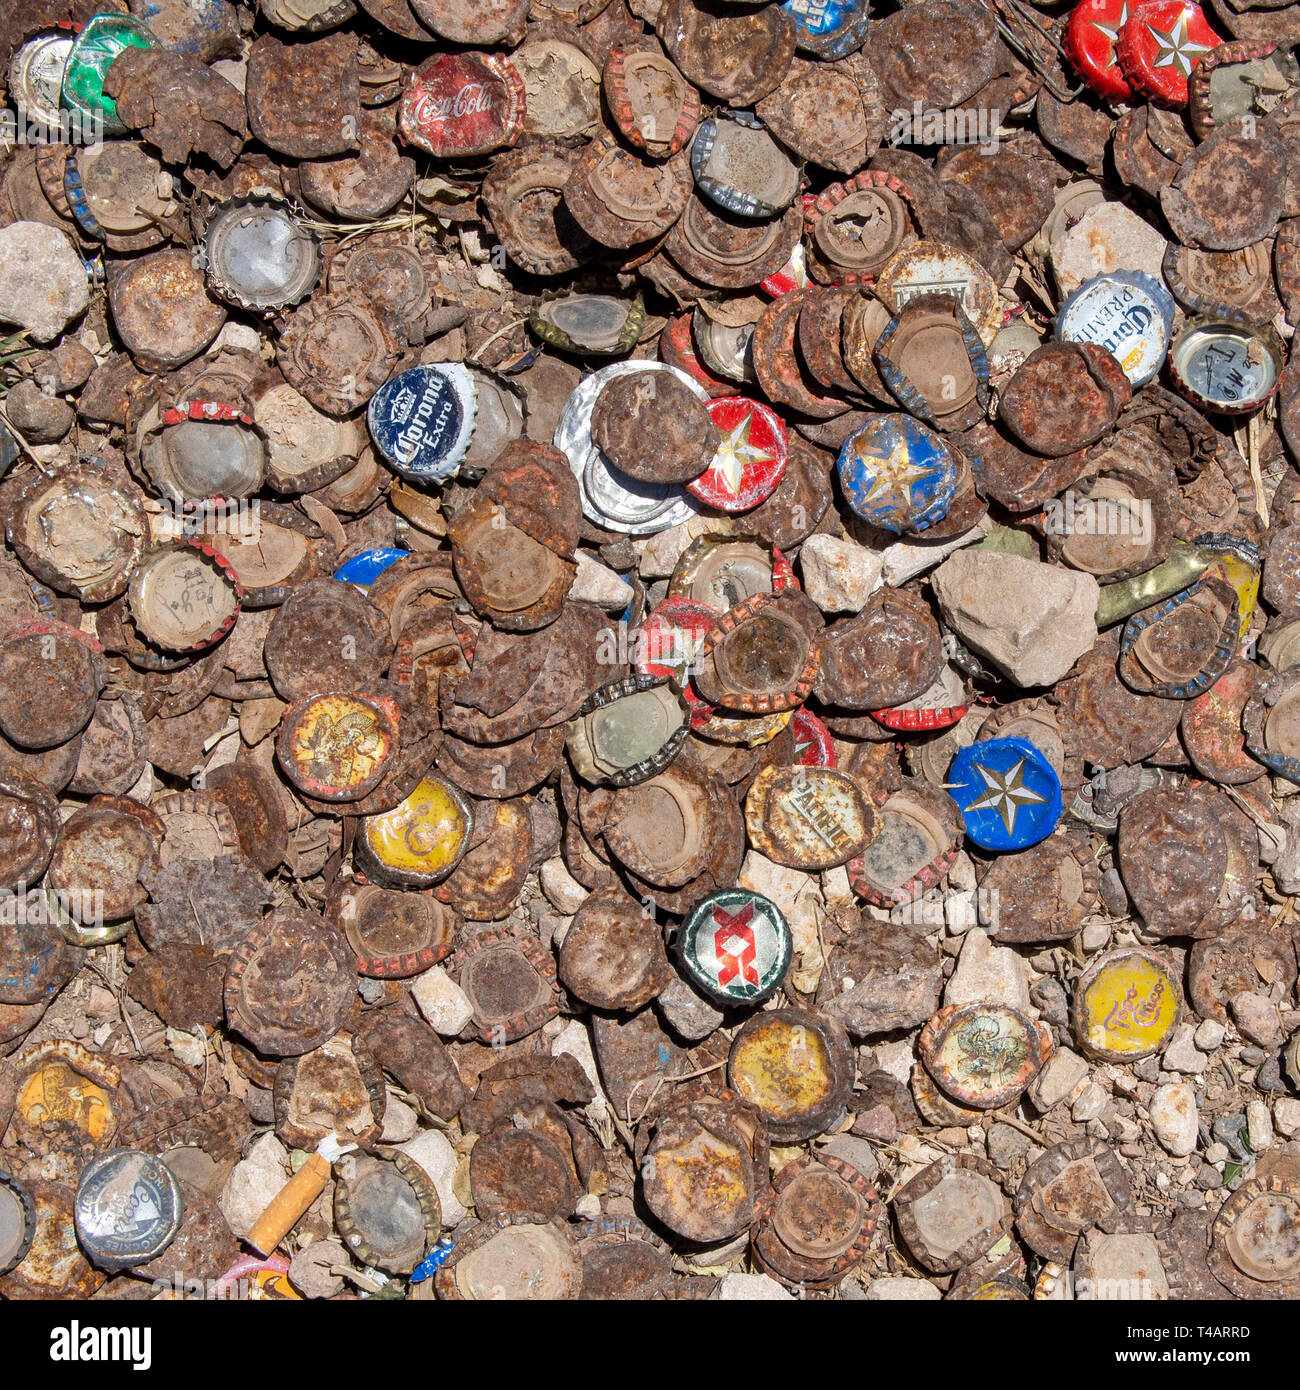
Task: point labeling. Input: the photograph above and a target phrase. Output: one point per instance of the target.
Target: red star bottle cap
(1091, 33)
(1160, 44)
(751, 458)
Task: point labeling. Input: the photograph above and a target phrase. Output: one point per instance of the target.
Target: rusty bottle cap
(259, 255)
(655, 107)
(17, 1221)
(1126, 1005)
(653, 427)
(795, 1066)
(457, 105)
(932, 359)
(952, 1212)
(1252, 1248)
(119, 194)
(816, 1222)
(762, 656)
(738, 165)
(336, 1090)
(1064, 397)
(737, 55)
(1064, 1191)
(1173, 853)
(1179, 648)
(162, 310)
(388, 1213)
(613, 954)
(628, 731)
(196, 450)
(50, 677)
(511, 985)
(183, 596)
(337, 747)
(395, 934)
(983, 1055)
(514, 1255)
(810, 818)
(735, 947)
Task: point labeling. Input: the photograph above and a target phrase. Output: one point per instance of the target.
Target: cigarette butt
(287, 1206)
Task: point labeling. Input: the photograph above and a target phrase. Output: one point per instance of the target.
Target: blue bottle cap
(362, 570)
(737, 165)
(898, 474)
(1127, 312)
(432, 1262)
(1009, 794)
(829, 28)
(421, 420)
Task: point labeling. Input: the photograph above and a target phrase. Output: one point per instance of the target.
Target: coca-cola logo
(472, 99)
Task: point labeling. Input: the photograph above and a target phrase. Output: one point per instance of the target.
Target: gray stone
(1181, 1055)
(1208, 1178)
(987, 974)
(839, 575)
(687, 1011)
(1005, 1145)
(1259, 1126)
(43, 284)
(1096, 936)
(254, 1183)
(1061, 1073)
(441, 1000)
(1209, 1035)
(1173, 1117)
(1031, 620)
(898, 1290)
(400, 1121)
(1049, 998)
(598, 584)
(565, 894)
(1109, 236)
(856, 1152)
(1227, 1130)
(752, 1288)
(1286, 1116)
(1257, 1018)
(1088, 1104)
(1217, 1153)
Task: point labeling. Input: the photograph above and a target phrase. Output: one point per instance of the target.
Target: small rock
(1114, 898)
(400, 1121)
(962, 874)
(39, 418)
(657, 555)
(43, 284)
(687, 1011)
(1217, 1153)
(1257, 1018)
(1286, 1116)
(1031, 620)
(441, 1000)
(254, 1183)
(987, 973)
(1173, 1117)
(1107, 236)
(1049, 998)
(1193, 1201)
(893, 1290)
(1148, 1069)
(879, 1122)
(553, 927)
(904, 560)
(839, 575)
(1061, 1074)
(896, 1058)
(1209, 1035)
(1209, 1178)
(565, 894)
(432, 1150)
(1259, 1126)
(745, 1288)
(1181, 1055)
(1089, 1103)
(1005, 1145)
(1096, 935)
(1227, 1130)
(856, 1152)
(598, 584)
(1269, 1076)
(588, 1208)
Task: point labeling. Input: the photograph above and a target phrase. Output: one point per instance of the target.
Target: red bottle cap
(1160, 45)
(1091, 33)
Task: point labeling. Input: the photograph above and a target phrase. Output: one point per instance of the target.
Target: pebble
(1089, 1103)
(687, 1011)
(1259, 1126)
(1209, 1035)
(896, 1058)
(1227, 1129)
(1049, 998)
(39, 418)
(895, 1290)
(1216, 1153)
(839, 575)
(1182, 1055)
(1005, 1145)
(987, 973)
(1173, 1117)
(748, 1288)
(1063, 1071)
(253, 1183)
(1031, 620)
(432, 1150)
(1096, 936)
(43, 284)
(400, 1121)
(1107, 237)
(598, 584)
(1257, 1018)
(443, 1003)
(564, 893)
(856, 1152)
(879, 1122)
(1286, 1116)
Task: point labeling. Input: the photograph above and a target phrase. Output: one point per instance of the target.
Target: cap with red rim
(751, 459)
(461, 104)
(813, 744)
(1159, 46)
(793, 275)
(1091, 33)
(183, 596)
(669, 641)
(338, 747)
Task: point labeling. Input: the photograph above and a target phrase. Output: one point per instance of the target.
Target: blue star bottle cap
(829, 28)
(1009, 794)
(421, 420)
(362, 570)
(1127, 312)
(898, 474)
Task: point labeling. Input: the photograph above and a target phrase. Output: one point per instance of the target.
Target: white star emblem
(1006, 793)
(1176, 49)
(1111, 31)
(735, 453)
(894, 476)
